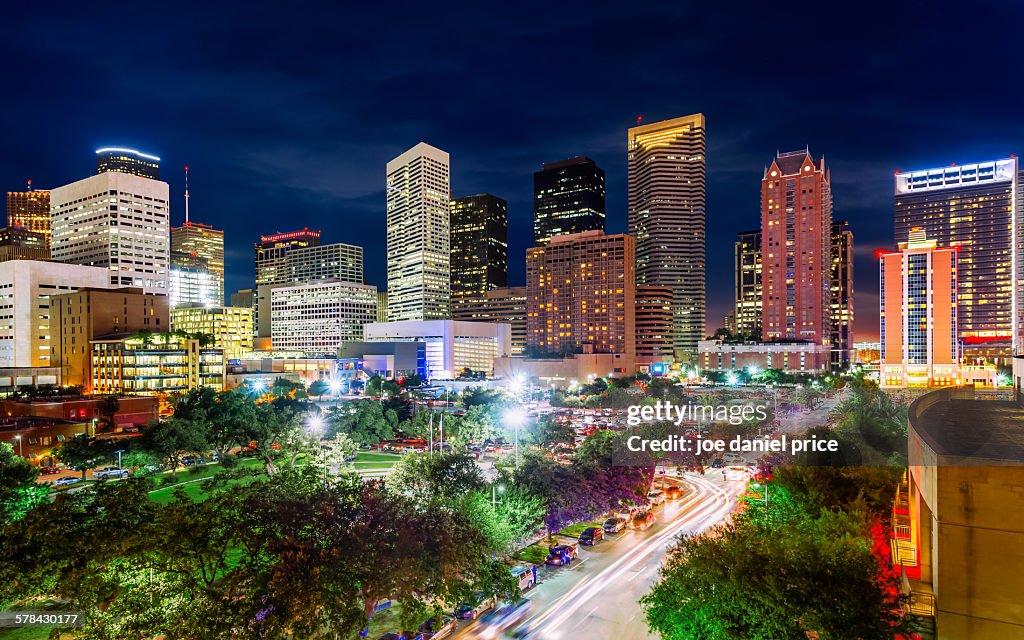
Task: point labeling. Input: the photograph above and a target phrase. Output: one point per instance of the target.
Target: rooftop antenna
(186, 194)
(30, 184)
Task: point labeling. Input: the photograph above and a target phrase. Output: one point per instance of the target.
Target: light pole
(21, 450)
(494, 496)
(515, 417)
(119, 452)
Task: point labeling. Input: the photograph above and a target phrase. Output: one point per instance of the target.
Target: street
(597, 595)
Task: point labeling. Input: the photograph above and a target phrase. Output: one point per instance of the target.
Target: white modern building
(419, 235)
(25, 290)
(450, 345)
(317, 317)
(193, 286)
(231, 327)
(116, 221)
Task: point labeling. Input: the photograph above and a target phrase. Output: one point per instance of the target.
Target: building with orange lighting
(31, 210)
(202, 241)
(581, 295)
(796, 249)
(919, 314)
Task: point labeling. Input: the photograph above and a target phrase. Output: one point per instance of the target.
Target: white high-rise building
(116, 221)
(317, 317)
(419, 235)
(25, 290)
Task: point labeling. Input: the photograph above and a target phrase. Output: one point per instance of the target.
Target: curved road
(596, 597)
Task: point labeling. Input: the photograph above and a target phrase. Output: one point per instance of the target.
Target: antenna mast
(186, 194)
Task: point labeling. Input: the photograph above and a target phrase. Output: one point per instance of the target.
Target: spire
(30, 184)
(186, 194)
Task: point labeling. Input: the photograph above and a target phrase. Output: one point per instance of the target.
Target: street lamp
(335, 386)
(494, 498)
(119, 452)
(21, 451)
(515, 417)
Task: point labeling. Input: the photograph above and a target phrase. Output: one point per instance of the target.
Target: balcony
(920, 598)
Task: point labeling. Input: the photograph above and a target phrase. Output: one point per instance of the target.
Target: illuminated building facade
(748, 284)
(191, 282)
(581, 295)
(973, 207)
(507, 306)
(479, 245)
(653, 325)
(31, 210)
(791, 357)
(130, 161)
(272, 251)
(230, 327)
(568, 197)
(667, 171)
(796, 249)
(449, 346)
(919, 314)
(203, 241)
(419, 235)
(159, 365)
(116, 221)
(18, 243)
(79, 317)
(841, 295)
(317, 317)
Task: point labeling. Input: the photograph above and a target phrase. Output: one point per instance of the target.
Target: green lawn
(574, 531)
(534, 554)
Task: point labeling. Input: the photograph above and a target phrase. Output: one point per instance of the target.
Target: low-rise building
(154, 365)
(131, 411)
(562, 373)
(387, 359)
(450, 346)
(791, 357)
(230, 327)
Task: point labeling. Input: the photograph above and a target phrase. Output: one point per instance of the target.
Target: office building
(919, 314)
(389, 360)
(230, 327)
(973, 207)
(18, 243)
(190, 281)
(791, 357)
(841, 296)
(957, 524)
(272, 251)
(26, 287)
(568, 197)
(130, 161)
(479, 245)
(90, 313)
(796, 249)
(667, 171)
(507, 306)
(243, 298)
(580, 295)
(317, 317)
(450, 347)
(419, 235)
(654, 325)
(116, 221)
(382, 306)
(30, 209)
(154, 365)
(748, 284)
(203, 241)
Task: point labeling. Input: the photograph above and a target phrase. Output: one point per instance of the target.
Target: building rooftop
(986, 430)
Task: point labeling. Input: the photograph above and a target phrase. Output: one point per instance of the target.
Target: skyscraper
(318, 317)
(581, 295)
(130, 161)
(18, 243)
(204, 241)
(30, 209)
(748, 284)
(271, 251)
(191, 282)
(116, 221)
(841, 295)
(568, 197)
(796, 249)
(479, 246)
(973, 207)
(653, 324)
(667, 178)
(419, 235)
(918, 309)
(497, 305)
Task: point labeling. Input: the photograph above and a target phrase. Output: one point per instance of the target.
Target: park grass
(536, 553)
(574, 530)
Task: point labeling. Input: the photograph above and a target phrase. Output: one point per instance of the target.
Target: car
(614, 525)
(561, 554)
(717, 464)
(525, 575)
(64, 482)
(107, 473)
(434, 629)
(188, 461)
(474, 606)
(673, 493)
(48, 471)
(503, 616)
(591, 535)
(627, 513)
(643, 520)
(656, 497)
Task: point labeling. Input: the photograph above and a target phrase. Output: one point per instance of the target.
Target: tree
(365, 421)
(318, 388)
(170, 439)
(85, 452)
(372, 387)
(554, 434)
(19, 492)
(108, 407)
(436, 479)
(272, 431)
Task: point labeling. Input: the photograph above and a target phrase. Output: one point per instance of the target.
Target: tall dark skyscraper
(128, 161)
(667, 184)
(479, 247)
(973, 207)
(841, 299)
(748, 283)
(568, 197)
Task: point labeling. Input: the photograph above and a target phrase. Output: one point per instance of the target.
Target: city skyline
(866, 122)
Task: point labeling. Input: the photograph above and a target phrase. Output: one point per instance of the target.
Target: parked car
(591, 535)
(474, 606)
(717, 464)
(656, 496)
(504, 615)
(434, 629)
(188, 461)
(64, 482)
(48, 471)
(673, 493)
(643, 520)
(627, 513)
(561, 554)
(526, 576)
(614, 525)
(108, 473)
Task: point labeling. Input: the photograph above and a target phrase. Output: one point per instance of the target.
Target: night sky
(288, 112)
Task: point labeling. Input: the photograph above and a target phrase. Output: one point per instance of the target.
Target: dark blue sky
(288, 112)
